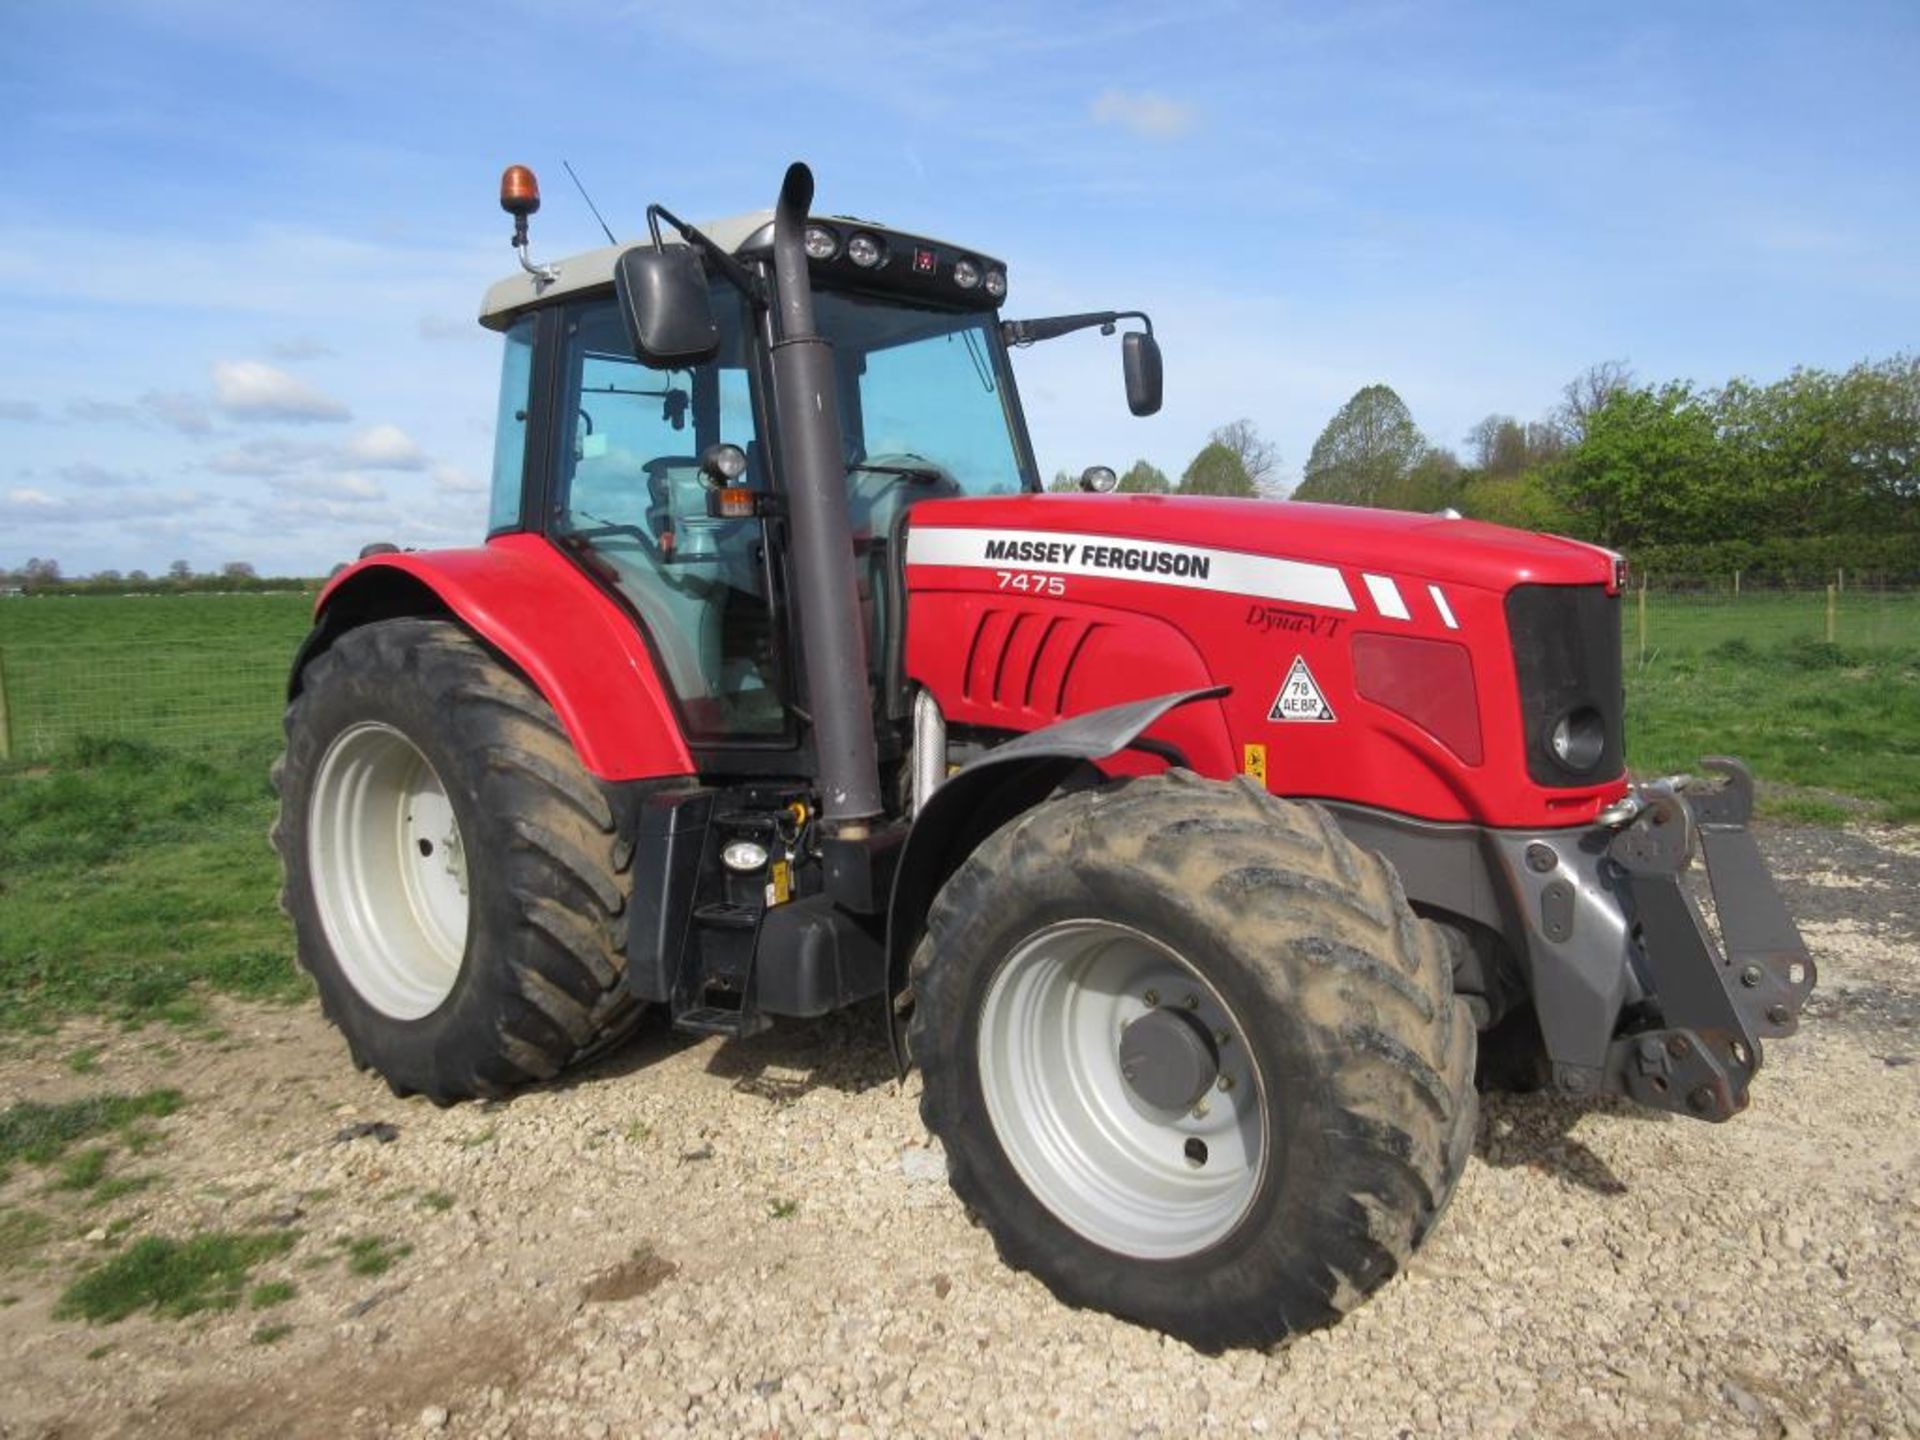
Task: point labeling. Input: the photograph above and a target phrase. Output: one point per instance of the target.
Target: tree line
(1787, 481)
(42, 575)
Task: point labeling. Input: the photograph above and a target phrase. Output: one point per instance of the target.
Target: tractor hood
(1380, 542)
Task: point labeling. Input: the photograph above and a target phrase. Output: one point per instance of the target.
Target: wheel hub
(1168, 1059)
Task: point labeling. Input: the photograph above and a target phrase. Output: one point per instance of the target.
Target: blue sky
(244, 243)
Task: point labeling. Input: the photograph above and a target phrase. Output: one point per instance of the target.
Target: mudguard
(986, 794)
(584, 654)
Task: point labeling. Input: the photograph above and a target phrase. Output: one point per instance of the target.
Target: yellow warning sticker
(1254, 762)
(780, 886)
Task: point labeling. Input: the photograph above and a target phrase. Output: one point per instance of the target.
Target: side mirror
(1140, 356)
(669, 312)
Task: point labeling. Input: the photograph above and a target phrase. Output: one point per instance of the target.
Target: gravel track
(751, 1238)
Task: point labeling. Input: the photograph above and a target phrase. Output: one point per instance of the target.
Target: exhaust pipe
(832, 636)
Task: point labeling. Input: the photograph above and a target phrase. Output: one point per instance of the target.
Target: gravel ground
(751, 1238)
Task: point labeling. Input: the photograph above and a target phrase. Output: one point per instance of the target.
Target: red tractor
(1192, 845)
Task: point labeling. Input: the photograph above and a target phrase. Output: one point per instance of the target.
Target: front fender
(971, 805)
(579, 649)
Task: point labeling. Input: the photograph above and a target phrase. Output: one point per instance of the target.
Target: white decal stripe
(1229, 571)
(1440, 604)
(1386, 597)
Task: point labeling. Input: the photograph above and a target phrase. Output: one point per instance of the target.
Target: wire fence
(214, 694)
(1692, 618)
(187, 696)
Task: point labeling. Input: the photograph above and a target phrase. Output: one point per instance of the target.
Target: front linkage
(1715, 1002)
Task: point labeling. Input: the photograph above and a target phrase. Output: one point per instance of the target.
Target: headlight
(866, 251)
(822, 243)
(744, 856)
(1578, 739)
(966, 274)
(995, 284)
(1099, 479)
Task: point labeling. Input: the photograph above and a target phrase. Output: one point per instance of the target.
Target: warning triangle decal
(1300, 697)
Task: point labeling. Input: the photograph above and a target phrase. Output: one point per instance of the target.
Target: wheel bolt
(1221, 1037)
(1152, 997)
(1192, 1002)
(1750, 977)
(1225, 1083)
(1200, 1111)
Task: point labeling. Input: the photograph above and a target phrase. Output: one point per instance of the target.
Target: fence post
(1643, 622)
(1840, 576)
(6, 715)
(1833, 614)
(1736, 584)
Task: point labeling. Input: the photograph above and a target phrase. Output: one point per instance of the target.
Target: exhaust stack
(832, 636)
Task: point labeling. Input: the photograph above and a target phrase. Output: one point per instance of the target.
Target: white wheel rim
(1115, 1169)
(389, 870)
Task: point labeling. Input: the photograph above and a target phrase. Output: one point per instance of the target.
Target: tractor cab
(661, 477)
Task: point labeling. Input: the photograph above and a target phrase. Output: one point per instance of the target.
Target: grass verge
(136, 881)
(173, 1278)
(40, 1133)
(1828, 721)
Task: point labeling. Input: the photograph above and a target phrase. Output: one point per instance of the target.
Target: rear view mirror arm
(742, 279)
(1028, 332)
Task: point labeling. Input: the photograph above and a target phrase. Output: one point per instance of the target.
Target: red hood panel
(1427, 547)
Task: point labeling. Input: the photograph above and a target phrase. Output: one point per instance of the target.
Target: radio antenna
(589, 199)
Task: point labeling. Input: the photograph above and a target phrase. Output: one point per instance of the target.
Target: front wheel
(456, 879)
(1193, 1058)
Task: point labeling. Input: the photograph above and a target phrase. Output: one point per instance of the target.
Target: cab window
(628, 486)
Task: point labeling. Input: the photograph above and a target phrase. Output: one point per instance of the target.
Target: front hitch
(1714, 1001)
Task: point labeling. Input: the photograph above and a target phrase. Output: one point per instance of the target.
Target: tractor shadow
(846, 1051)
(1535, 1131)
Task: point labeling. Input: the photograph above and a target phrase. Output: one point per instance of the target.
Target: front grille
(1566, 651)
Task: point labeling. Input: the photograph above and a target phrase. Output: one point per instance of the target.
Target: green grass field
(135, 875)
(186, 670)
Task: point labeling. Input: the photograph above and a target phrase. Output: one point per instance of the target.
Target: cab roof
(591, 268)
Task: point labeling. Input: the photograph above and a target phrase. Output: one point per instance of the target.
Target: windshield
(925, 389)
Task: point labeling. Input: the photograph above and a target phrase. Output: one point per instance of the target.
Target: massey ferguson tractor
(1193, 847)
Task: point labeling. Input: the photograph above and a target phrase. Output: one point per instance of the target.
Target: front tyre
(455, 878)
(1193, 1058)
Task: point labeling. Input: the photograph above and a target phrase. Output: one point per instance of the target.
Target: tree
(1365, 451)
(180, 570)
(1062, 483)
(239, 570)
(38, 572)
(1217, 470)
(1434, 483)
(1258, 458)
(1653, 467)
(1144, 479)
(137, 577)
(1587, 394)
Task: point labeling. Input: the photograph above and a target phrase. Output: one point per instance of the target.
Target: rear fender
(573, 644)
(971, 805)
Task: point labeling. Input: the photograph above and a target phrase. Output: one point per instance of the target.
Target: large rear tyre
(1193, 1058)
(455, 878)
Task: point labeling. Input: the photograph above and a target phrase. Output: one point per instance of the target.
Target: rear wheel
(455, 878)
(1193, 1058)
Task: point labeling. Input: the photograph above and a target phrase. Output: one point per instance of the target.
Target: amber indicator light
(519, 191)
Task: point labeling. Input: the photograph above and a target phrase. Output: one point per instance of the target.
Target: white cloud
(299, 347)
(1154, 117)
(85, 472)
(455, 481)
(254, 390)
(324, 492)
(30, 499)
(440, 327)
(385, 447)
(185, 413)
(270, 455)
(101, 412)
(19, 410)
